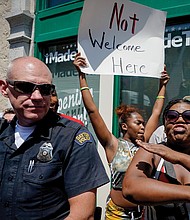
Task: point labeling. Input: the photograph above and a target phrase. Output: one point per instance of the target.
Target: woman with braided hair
(120, 151)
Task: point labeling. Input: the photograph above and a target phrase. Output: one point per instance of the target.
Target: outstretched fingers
(161, 150)
(79, 61)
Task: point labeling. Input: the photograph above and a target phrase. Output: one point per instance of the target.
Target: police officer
(50, 168)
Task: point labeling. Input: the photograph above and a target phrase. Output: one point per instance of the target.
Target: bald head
(23, 68)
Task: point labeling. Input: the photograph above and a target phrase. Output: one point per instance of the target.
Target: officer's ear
(3, 88)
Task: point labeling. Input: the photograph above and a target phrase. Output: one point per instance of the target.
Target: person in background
(54, 104)
(50, 167)
(159, 177)
(8, 114)
(119, 152)
(158, 135)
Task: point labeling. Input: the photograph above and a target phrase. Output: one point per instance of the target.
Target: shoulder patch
(82, 138)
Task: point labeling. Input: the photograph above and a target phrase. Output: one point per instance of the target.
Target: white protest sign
(121, 37)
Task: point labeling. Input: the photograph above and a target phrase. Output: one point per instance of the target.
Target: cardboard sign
(121, 37)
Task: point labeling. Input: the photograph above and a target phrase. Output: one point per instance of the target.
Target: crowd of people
(50, 166)
(119, 152)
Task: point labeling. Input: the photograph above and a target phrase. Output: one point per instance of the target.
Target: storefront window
(139, 92)
(142, 91)
(177, 48)
(59, 57)
(52, 3)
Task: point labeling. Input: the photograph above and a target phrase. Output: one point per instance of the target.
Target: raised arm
(153, 121)
(140, 188)
(106, 138)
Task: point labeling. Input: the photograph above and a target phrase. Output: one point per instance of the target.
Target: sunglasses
(172, 116)
(28, 87)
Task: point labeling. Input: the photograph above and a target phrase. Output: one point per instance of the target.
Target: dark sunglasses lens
(28, 88)
(24, 87)
(46, 89)
(186, 116)
(172, 116)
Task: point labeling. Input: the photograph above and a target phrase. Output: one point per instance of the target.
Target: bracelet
(160, 97)
(84, 88)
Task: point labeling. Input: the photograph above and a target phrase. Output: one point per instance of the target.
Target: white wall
(105, 108)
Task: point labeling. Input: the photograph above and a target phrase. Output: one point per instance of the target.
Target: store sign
(59, 58)
(122, 38)
(178, 39)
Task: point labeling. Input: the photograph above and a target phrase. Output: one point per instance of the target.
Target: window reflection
(59, 57)
(52, 3)
(177, 48)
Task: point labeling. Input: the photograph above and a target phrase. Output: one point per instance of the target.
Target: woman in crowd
(119, 152)
(159, 176)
